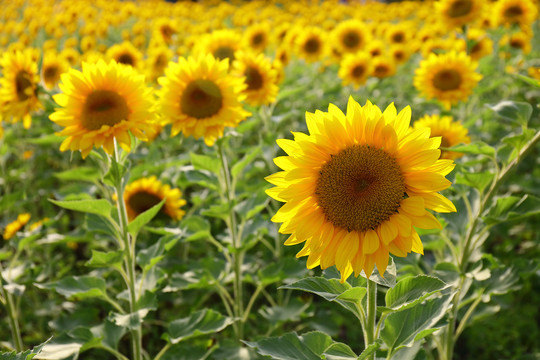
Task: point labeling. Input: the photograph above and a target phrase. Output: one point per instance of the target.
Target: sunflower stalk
(12, 314)
(371, 314)
(129, 253)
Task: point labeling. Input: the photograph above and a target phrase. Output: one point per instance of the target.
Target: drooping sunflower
(144, 193)
(259, 76)
(222, 44)
(451, 132)
(310, 44)
(19, 86)
(510, 12)
(449, 77)
(350, 36)
(199, 97)
(105, 101)
(53, 66)
(12, 228)
(354, 69)
(457, 13)
(356, 187)
(125, 53)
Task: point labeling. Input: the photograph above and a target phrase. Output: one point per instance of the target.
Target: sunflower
(518, 41)
(399, 33)
(71, 55)
(356, 187)
(451, 133)
(12, 228)
(259, 76)
(165, 29)
(158, 58)
(222, 44)
(311, 44)
(376, 47)
(400, 53)
(199, 97)
(383, 66)
(449, 77)
(257, 37)
(355, 68)
(457, 13)
(105, 101)
(144, 193)
(19, 86)
(125, 53)
(481, 46)
(510, 12)
(53, 66)
(350, 36)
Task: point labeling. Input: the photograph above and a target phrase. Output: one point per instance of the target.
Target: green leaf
(528, 205)
(281, 270)
(370, 350)
(98, 207)
(130, 321)
(253, 205)
(202, 322)
(196, 227)
(78, 287)
(248, 158)
(339, 351)
(204, 162)
(25, 355)
(83, 173)
(402, 327)
(50, 139)
(149, 257)
(412, 290)
(289, 312)
(291, 346)
(476, 148)
(477, 180)
(186, 352)
(513, 110)
(144, 218)
(59, 351)
(329, 289)
(102, 259)
(528, 80)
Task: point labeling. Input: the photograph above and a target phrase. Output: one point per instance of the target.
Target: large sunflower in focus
(459, 12)
(143, 194)
(105, 101)
(356, 187)
(259, 76)
(447, 77)
(19, 86)
(451, 132)
(199, 97)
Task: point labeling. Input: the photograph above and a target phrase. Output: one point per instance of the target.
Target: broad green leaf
(528, 205)
(49, 139)
(220, 211)
(25, 355)
(204, 162)
(248, 158)
(354, 295)
(252, 205)
(98, 207)
(402, 327)
(502, 281)
(78, 287)
(202, 322)
(289, 312)
(149, 257)
(447, 272)
(513, 111)
(109, 332)
(58, 351)
(281, 270)
(83, 173)
(476, 148)
(144, 218)
(291, 346)
(202, 179)
(196, 227)
(130, 321)
(412, 290)
(201, 274)
(96, 223)
(329, 289)
(370, 350)
(105, 259)
(533, 82)
(519, 140)
(339, 351)
(479, 180)
(185, 352)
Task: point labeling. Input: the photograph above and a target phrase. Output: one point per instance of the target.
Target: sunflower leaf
(202, 322)
(476, 148)
(203, 162)
(412, 290)
(248, 158)
(513, 110)
(105, 259)
(144, 218)
(78, 287)
(100, 207)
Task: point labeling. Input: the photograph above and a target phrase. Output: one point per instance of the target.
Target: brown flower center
(513, 12)
(312, 46)
(398, 38)
(351, 39)
(22, 83)
(448, 79)
(142, 201)
(224, 52)
(381, 70)
(254, 79)
(201, 99)
(51, 73)
(517, 44)
(126, 59)
(104, 107)
(257, 39)
(358, 71)
(359, 188)
(460, 8)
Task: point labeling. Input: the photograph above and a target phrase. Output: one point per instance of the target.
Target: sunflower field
(294, 180)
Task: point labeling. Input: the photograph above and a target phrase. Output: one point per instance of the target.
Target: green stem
(251, 302)
(129, 257)
(467, 315)
(238, 254)
(12, 314)
(163, 351)
(371, 314)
